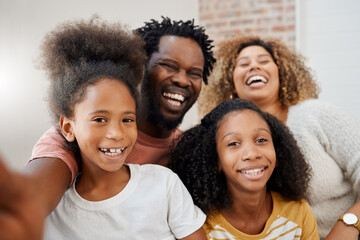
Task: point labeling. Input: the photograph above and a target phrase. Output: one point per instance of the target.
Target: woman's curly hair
(77, 54)
(195, 159)
(296, 81)
(154, 30)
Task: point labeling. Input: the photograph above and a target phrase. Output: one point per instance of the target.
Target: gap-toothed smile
(112, 151)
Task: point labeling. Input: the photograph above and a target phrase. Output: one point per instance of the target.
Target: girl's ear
(219, 167)
(67, 128)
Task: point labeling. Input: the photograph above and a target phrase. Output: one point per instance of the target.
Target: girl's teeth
(112, 151)
(253, 171)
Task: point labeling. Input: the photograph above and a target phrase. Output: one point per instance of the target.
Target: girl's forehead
(240, 120)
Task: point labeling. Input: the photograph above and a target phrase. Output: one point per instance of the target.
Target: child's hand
(21, 213)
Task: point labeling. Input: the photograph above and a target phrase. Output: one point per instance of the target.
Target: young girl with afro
(94, 69)
(244, 170)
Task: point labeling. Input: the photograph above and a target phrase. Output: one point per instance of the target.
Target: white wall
(23, 24)
(328, 35)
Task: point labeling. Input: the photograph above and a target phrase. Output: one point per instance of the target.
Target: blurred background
(326, 32)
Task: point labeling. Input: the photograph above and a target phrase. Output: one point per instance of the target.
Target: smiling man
(179, 60)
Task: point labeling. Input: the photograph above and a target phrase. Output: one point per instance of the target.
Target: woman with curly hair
(93, 96)
(276, 79)
(244, 170)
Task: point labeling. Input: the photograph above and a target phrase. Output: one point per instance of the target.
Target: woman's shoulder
(313, 110)
(312, 106)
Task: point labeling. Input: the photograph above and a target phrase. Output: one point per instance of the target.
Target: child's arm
(52, 168)
(51, 177)
(22, 214)
(197, 235)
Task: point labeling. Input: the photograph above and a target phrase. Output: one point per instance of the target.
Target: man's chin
(169, 123)
(166, 122)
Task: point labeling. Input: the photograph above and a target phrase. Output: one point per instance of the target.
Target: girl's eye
(128, 120)
(233, 144)
(99, 120)
(261, 140)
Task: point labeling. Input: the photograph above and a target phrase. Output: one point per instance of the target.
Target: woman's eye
(264, 61)
(243, 64)
(99, 120)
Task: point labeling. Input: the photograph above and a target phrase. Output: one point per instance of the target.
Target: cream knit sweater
(330, 141)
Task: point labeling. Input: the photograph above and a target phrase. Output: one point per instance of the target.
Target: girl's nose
(115, 132)
(250, 152)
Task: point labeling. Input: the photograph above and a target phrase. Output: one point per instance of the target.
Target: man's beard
(151, 105)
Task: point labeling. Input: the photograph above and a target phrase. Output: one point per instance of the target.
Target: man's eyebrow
(168, 60)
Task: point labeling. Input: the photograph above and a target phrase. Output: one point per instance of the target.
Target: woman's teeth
(256, 79)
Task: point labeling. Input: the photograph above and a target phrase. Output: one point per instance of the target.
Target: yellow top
(288, 220)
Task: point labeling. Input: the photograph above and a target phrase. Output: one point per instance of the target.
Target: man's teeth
(256, 79)
(175, 103)
(112, 151)
(253, 171)
(174, 97)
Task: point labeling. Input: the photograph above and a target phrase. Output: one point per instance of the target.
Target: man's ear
(67, 128)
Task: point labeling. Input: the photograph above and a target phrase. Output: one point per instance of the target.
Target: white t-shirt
(154, 205)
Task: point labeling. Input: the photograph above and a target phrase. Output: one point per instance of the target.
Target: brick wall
(266, 18)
